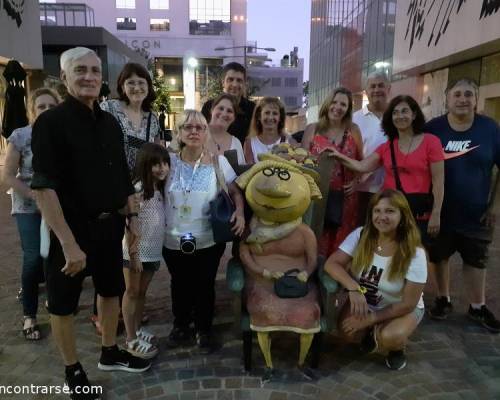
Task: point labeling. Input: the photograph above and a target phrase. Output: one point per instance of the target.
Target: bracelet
(361, 289)
(133, 214)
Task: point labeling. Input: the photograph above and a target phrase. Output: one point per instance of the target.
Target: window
(290, 101)
(210, 17)
(159, 24)
(291, 82)
(125, 24)
(275, 82)
(158, 4)
(125, 3)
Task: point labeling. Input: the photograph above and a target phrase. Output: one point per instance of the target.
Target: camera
(187, 243)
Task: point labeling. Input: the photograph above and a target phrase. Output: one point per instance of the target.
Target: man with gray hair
(368, 119)
(83, 189)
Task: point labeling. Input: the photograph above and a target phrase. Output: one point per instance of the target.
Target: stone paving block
(382, 396)
(137, 395)
(278, 396)
(206, 395)
(187, 396)
(191, 385)
(171, 397)
(185, 374)
(204, 372)
(213, 383)
(223, 371)
(233, 383)
(249, 383)
(224, 395)
(154, 391)
(242, 394)
(310, 390)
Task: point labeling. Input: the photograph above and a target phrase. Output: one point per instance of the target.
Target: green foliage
(162, 94)
(213, 87)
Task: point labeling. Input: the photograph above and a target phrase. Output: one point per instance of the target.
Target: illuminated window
(125, 24)
(125, 3)
(210, 17)
(158, 4)
(159, 24)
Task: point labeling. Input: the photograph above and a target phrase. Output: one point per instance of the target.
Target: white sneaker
(142, 349)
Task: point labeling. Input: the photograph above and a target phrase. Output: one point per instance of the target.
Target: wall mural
(14, 9)
(420, 25)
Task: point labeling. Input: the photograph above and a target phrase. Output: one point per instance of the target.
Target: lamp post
(245, 49)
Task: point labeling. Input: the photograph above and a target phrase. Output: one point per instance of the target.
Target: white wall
(465, 30)
(23, 43)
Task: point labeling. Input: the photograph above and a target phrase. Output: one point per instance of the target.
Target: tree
(254, 85)
(213, 87)
(305, 93)
(162, 94)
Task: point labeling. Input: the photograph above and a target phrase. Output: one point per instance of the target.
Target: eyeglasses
(134, 83)
(196, 128)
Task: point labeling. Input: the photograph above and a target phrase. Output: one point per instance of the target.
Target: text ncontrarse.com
(48, 389)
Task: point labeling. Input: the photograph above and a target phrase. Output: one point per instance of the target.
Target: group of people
(117, 201)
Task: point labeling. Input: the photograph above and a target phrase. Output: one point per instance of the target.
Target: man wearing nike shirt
(471, 143)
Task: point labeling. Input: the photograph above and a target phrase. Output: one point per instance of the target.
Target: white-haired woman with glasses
(189, 249)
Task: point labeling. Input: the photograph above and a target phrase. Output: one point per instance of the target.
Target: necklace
(216, 144)
(403, 164)
(380, 246)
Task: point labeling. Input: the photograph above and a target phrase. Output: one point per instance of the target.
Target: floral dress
(331, 238)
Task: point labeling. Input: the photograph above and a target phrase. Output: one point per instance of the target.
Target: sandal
(141, 349)
(33, 332)
(145, 335)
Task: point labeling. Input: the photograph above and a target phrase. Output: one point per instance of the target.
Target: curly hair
(388, 124)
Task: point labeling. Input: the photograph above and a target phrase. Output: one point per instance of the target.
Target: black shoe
(369, 343)
(396, 360)
(269, 375)
(307, 373)
(76, 381)
(121, 360)
(178, 336)
(204, 343)
(485, 317)
(442, 307)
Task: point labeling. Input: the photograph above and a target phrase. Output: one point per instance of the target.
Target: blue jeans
(29, 231)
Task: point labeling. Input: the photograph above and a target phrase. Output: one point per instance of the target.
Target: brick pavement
(450, 360)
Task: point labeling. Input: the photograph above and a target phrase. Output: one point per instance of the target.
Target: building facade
(349, 40)
(435, 45)
(184, 38)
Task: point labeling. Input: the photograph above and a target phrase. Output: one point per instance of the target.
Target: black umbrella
(14, 112)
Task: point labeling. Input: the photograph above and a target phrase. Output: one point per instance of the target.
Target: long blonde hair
(323, 121)
(407, 238)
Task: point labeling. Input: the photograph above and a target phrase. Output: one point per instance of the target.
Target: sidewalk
(454, 359)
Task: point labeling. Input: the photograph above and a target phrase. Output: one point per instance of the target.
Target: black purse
(335, 200)
(221, 209)
(420, 203)
(289, 286)
(137, 143)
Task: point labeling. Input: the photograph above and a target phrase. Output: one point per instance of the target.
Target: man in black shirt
(234, 77)
(82, 186)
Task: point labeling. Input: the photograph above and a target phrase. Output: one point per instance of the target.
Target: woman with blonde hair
(267, 129)
(383, 268)
(335, 131)
(17, 174)
(189, 249)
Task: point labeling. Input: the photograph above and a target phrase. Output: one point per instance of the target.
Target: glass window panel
(125, 3)
(159, 4)
(125, 24)
(210, 17)
(159, 24)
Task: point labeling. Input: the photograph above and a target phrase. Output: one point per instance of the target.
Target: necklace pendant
(379, 248)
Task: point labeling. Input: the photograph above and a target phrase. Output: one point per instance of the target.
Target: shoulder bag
(221, 209)
(420, 203)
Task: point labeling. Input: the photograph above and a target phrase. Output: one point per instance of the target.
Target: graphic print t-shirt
(382, 292)
(469, 158)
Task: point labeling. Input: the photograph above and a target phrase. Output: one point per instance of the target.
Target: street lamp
(245, 49)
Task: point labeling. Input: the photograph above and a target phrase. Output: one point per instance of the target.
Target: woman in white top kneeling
(383, 268)
(267, 129)
(189, 250)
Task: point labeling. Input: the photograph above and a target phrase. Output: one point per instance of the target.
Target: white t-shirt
(380, 291)
(202, 189)
(151, 221)
(261, 148)
(372, 136)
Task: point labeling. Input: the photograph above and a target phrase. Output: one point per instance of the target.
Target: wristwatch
(359, 289)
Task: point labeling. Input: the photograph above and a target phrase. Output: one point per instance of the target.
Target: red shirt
(414, 168)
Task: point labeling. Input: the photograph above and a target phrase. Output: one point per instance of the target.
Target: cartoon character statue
(279, 193)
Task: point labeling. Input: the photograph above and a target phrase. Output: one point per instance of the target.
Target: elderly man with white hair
(83, 189)
(369, 120)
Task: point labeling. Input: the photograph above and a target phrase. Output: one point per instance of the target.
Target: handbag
(335, 200)
(137, 143)
(221, 209)
(420, 203)
(289, 286)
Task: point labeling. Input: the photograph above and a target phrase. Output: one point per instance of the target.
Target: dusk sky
(281, 24)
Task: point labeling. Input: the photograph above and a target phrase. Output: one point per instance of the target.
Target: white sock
(477, 306)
